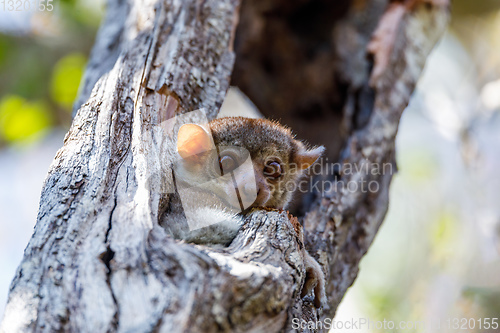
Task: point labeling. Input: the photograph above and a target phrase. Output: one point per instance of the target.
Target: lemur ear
(193, 139)
(307, 157)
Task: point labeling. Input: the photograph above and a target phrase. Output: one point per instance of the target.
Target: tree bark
(99, 261)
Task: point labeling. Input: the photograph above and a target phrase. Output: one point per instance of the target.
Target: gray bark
(98, 260)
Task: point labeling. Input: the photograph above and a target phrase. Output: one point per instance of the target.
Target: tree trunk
(340, 73)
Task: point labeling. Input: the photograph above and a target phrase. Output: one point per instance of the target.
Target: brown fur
(266, 139)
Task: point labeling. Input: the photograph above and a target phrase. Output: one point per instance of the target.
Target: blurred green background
(42, 59)
(437, 255)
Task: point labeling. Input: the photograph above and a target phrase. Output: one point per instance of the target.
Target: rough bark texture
(340, 73)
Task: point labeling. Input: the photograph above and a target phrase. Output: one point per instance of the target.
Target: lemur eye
(273, 170)
(227, 164)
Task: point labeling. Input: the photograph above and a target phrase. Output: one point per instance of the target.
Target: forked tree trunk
(340, 73)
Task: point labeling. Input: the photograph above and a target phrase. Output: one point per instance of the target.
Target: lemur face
(262, 157)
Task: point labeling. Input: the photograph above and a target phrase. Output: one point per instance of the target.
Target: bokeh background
(437, 255)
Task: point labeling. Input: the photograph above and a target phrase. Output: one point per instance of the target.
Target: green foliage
(444, 230)
(24, 67)
(467, 7)
(40, 70)
(382, 302)
(488, 298)
(419, 165)
(22, 121)
(4, 47)
(443, 235)
(66, 78)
